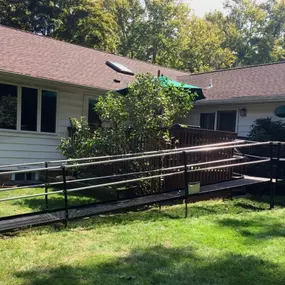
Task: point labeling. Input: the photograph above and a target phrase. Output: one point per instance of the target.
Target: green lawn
(55, 201)
(222, 242)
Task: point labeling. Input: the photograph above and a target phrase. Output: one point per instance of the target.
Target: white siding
(254, 112)
(23, 147)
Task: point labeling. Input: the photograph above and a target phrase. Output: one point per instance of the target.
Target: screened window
(48, 114)
(29, 109)
(207, 121)
(93, 118)
(8, 106)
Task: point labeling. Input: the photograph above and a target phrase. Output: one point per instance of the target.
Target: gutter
(242, 100)
(50, 81)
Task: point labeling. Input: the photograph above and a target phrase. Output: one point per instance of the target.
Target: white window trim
(39, 110)
(216, 117)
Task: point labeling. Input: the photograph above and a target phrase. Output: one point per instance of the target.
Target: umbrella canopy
(168, 82)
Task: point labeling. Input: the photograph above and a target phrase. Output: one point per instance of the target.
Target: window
(8, 106)
(207, 121)
(226, 121)
(36, 111)
(280, 111)
(93, 118)
(25, 176)
(48, 115)
(29, 109)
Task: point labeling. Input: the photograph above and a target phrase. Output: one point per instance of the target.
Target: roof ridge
(237, 68)
(94, 49)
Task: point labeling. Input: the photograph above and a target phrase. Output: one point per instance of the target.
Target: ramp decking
(43, 218)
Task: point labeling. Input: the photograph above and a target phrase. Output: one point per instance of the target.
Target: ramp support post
(65, 195)
(186, 182)
(46, 186)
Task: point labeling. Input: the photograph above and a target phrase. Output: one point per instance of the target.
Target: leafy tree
(152, 30)
(261, 30)
(35, 16)
(138, 116)
(87, 23)
(84, 22)
(128, 15)
(205, 49)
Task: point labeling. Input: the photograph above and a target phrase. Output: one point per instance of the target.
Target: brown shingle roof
(251, 81)
(42, 57)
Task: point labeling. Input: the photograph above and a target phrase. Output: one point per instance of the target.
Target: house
(236, 97)
(44, 82)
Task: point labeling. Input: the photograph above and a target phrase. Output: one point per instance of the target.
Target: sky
(200, 7)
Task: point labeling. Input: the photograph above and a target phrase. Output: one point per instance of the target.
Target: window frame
(88, 97)
(208, 113)
(216, 117)
(39, 109)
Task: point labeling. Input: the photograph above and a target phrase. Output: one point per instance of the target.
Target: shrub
(265, 130)
(143, 115)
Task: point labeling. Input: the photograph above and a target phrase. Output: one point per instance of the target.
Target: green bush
(137, 121)
(266, 130)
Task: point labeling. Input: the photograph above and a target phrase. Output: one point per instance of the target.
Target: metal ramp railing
(67, 187)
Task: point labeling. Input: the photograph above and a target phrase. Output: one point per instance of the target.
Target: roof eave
(242, 100)
(42, 80)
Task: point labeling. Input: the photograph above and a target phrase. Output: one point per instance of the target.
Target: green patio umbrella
(168, 82)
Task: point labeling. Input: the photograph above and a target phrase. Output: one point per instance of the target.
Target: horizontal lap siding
(19, 147)
(254, 112)
(257, 111)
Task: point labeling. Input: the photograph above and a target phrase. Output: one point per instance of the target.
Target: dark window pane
(227, 121)
(8, 106)
(93, 117)
(207, 121)
(48, 119)
(29, 109)
(20, 176)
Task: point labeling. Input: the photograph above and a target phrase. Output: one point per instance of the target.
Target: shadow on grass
(258, 228)
(279, 200)
(160, 265)
(74, 199)
(195, 210)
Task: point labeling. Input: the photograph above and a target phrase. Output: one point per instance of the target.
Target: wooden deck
(42, 218)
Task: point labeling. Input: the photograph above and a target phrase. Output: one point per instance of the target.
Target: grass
(221, 242)
(55, 201)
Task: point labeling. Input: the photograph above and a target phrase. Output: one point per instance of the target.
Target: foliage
(205, 49)
(160, 31)
(87, 22)
(80, 143)
(260, 28)
(142, 115)
(8, 112)
(84, 22)
(267, 130)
